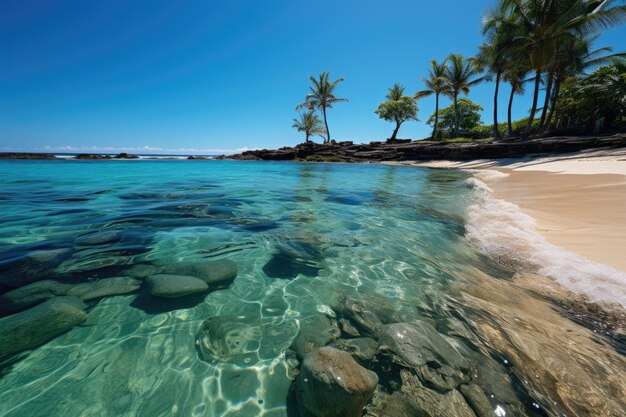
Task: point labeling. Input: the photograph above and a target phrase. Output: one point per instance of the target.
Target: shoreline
(559, 219)
(576, 199)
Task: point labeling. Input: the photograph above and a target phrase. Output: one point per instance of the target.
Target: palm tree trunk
(326, 123)
(533, 109)
(510, 133)
(436, 116)
(395, 131)
(456, 115)
(555, 96)
(307, 137)
(546, 102)
(496, 132)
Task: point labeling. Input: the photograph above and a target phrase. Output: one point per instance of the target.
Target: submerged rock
(229, 337)
(363, 349)
(141, 271)
(332, 384)
(295, 257)
(417, 343)
(36, 326)
(477, 400)
(174, 286)
(368, 322)
(37, 292)
(315, 331)
(104, 287)
(412, 398)
(348, 328)
(212, 272)
(31, 294)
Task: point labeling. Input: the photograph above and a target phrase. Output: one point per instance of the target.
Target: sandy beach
(562, 216)
(578, 200)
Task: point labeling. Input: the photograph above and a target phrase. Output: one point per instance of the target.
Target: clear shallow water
(301, 235)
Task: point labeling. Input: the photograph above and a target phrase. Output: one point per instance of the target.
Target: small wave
(500, 230)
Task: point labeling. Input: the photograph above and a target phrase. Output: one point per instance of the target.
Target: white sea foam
(488, 174)
(500, 230)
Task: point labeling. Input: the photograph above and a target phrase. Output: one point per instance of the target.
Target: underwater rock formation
(175, 286)
(214, 273)
(315, 331)
(332, 384)
(33, 327)
(37, 292)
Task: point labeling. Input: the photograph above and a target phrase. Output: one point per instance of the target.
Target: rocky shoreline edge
(397, 150)
(407, 150)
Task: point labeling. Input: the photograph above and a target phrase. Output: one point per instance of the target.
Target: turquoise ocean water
(301, 234)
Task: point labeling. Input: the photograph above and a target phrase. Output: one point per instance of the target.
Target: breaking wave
(501, 231)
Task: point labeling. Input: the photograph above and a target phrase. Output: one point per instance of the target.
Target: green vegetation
(599, 96)
(322, 97)
(435, 84)
(548, 43)
(458, 79)
(398, 108)
(550, 38)
(462, 117)
(310, 124)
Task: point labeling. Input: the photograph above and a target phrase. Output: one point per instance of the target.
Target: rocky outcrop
(38, 325)
(427, 150)
(332, 384)
(175, 286)
(92, 156)
(25, 155)
(124, 155)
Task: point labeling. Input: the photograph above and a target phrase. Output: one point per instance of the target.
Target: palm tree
(574, 56)
(542, 26)
(516, 78)
(436, 84)
(310, 124)
(496, 54)
(322, 97)
(395, 93)
(458, 79)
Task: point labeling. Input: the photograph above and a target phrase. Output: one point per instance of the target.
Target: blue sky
(207, 76)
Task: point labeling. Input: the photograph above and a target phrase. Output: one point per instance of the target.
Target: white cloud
(140, 150)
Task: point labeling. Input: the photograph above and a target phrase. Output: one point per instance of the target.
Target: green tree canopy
(398, 108)
(601, 94)
(468, 114)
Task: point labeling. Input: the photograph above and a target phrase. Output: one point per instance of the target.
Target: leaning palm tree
(435, 84)
(310, 124)
(459, 78)
(322, 97)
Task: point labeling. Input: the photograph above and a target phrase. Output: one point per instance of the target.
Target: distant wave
(500, 230)
(140, 157)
